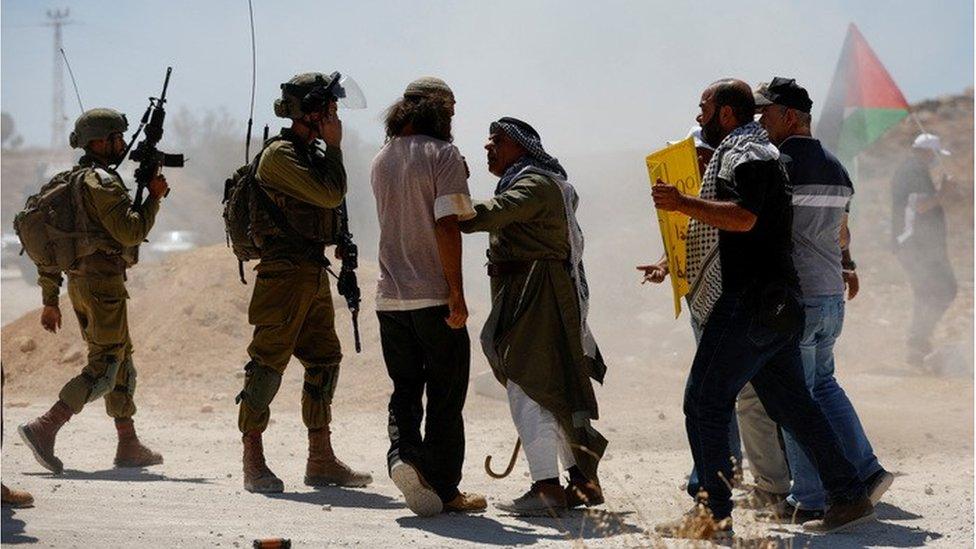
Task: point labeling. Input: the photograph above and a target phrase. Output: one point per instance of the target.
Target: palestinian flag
(863, 101)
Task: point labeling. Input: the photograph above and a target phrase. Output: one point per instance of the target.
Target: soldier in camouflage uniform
(96, 287)
(299, 185)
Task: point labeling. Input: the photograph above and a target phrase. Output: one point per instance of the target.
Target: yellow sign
(676, 165)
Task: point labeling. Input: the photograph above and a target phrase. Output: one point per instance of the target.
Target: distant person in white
(918, 229)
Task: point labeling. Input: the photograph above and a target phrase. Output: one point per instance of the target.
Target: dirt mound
(188, 317)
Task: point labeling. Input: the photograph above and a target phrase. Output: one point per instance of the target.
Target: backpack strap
(252, 173)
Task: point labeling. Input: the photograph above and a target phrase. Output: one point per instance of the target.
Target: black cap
(785, 92)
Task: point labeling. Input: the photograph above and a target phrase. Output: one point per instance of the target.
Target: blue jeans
(740, 344)
(735, 445)
(824, 321)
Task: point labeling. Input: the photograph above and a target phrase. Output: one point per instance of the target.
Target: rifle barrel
(162, 96)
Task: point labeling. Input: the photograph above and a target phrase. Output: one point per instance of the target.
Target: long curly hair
(424, 115)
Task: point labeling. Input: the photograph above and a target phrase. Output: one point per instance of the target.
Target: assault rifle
(146, 153)
(347, 284)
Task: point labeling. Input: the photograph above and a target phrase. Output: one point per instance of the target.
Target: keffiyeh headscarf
(526, 136)
(746, 143)
(540, 162)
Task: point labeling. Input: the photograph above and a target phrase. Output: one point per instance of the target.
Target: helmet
(302, 94)
(311, 91)
(97, 124)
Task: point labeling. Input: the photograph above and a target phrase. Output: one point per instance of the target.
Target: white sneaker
(420, 497)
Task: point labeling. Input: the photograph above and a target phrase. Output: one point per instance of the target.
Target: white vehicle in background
(169, 242)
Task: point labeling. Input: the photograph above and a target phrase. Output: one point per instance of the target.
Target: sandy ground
(188, 318)
(921, 428)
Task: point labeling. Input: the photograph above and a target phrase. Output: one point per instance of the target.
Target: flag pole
(916, 120)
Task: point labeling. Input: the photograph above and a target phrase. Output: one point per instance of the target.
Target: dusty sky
(591, 76)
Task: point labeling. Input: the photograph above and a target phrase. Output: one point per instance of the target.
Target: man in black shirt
(919, 233)
(743, 294)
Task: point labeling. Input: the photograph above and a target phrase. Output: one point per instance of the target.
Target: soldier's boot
(257, 477)
(39, 435)
(131, 452)
(324, 468)
(17, 499)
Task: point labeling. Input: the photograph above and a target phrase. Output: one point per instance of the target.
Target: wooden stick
(511, 463)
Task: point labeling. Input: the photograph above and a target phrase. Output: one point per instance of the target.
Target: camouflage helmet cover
(96, 124)
(293, 91)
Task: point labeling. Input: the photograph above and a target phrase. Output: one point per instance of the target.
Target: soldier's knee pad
(260, 386)
(102, 384)
(320, 381)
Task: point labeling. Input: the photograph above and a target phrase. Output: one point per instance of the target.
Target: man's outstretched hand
(655, 273)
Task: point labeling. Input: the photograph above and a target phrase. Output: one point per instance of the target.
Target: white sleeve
(458, 204)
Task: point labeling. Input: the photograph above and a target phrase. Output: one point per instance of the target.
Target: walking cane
(511, 463)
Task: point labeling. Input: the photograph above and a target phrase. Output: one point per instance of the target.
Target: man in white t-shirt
(419, 180)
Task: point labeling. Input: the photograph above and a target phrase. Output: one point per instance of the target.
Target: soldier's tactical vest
(111, 247)
(308, 225)
(58, 229)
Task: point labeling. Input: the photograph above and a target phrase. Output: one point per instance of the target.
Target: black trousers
(737, 347)
(422, 353)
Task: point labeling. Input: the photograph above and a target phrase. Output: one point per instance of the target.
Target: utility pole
(57, 19)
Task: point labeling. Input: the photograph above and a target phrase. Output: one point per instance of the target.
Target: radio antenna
(254, 70)
(73, 82)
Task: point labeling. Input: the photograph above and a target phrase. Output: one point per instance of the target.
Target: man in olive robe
(536, 337)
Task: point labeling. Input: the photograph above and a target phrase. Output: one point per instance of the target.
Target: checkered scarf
(747, 143)
(526, 136)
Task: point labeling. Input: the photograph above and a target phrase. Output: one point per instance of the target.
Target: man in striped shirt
(822, 191)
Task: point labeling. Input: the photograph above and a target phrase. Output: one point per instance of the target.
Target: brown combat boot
(131, 452)
(257, 477)
(39, 435)
(324, 468)
(17, 499)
